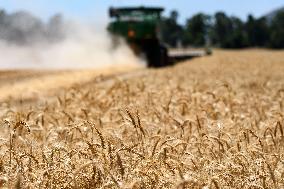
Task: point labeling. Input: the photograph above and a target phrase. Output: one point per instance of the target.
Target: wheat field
(212, 122)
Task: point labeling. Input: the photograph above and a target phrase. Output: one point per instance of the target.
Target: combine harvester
(139, 26)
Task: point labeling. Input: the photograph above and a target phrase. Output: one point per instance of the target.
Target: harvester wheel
(164, 59)
(157, 56)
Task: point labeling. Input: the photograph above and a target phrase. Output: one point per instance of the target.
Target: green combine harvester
(139, 26)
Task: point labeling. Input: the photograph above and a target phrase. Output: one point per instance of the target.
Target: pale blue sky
(94, 10)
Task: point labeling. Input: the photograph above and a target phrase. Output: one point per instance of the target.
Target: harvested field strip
(31, 84)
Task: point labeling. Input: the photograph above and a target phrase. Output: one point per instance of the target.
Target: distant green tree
(221, 30)
(250, 29)
(2, 15)
(238, 37)
(196, 30)
(171, 31)
(262, 32)
(2, 23)
(228, 32)
(277, 31)
(55, 28)
(174, 15)
(257, 31)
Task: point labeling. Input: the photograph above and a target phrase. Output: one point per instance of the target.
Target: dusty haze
(28, 43)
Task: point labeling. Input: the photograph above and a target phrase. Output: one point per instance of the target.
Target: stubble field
(212, 122)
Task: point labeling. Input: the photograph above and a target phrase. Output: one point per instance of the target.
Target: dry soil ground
(212, 122)
(40, 84)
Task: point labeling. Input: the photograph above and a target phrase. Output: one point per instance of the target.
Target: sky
(96, 10)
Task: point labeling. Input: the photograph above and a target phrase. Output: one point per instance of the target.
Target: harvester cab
(139, 26)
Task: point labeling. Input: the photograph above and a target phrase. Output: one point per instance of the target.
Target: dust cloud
(28, 43)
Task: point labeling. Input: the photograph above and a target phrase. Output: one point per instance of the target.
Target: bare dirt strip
(33, 84)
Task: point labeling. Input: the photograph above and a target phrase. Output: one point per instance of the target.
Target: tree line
(224, 31)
